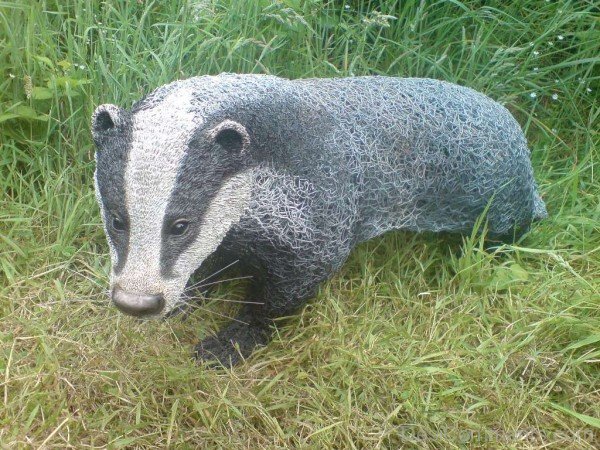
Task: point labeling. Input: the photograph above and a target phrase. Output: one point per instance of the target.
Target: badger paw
(234, 343)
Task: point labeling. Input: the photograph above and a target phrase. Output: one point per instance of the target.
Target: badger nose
(137, 304)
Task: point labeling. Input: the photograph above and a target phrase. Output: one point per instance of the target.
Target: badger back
(431, 155)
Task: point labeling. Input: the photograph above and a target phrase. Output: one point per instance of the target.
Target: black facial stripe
(111, 161)
(203, 171)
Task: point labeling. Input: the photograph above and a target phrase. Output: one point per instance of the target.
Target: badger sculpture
(285, 177)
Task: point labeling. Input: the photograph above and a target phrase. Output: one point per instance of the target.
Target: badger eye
(118, 224)
(179, 227)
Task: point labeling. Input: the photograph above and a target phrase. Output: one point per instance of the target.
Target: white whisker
(213, 274)
(220, 281)
(221, 315)
(222, 269)
(229, 300)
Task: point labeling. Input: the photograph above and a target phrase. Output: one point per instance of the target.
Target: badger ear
(232, 136)
(108, 118)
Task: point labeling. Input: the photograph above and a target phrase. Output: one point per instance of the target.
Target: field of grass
(421, 341)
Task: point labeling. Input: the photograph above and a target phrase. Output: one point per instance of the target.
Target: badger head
(171, 179)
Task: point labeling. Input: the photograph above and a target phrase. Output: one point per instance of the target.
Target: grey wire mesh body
(340, 161)
(323, 164)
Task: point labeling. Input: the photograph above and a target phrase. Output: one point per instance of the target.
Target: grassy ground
(420, 342)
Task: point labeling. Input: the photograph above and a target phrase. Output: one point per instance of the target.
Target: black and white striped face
(170, 183)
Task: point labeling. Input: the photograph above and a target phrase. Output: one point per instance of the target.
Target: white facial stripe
(225, 210)
(159, 144)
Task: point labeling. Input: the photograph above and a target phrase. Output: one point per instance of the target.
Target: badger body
(285, 177)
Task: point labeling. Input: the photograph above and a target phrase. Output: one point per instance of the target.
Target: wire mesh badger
(286, 177)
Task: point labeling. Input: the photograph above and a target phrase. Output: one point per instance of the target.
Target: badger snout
(138, 304)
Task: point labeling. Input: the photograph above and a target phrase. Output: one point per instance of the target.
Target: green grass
(420, 341)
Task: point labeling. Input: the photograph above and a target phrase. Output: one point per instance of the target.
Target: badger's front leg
(237, 340)
(284, 290)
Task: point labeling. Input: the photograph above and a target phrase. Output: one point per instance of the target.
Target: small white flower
(560, 37)
(553, 130)
(346, 7)
(588, 90)
(550, 43)
(535, 69)
(533, 95)
(536, 53)
(11, 75)
(554, 96)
